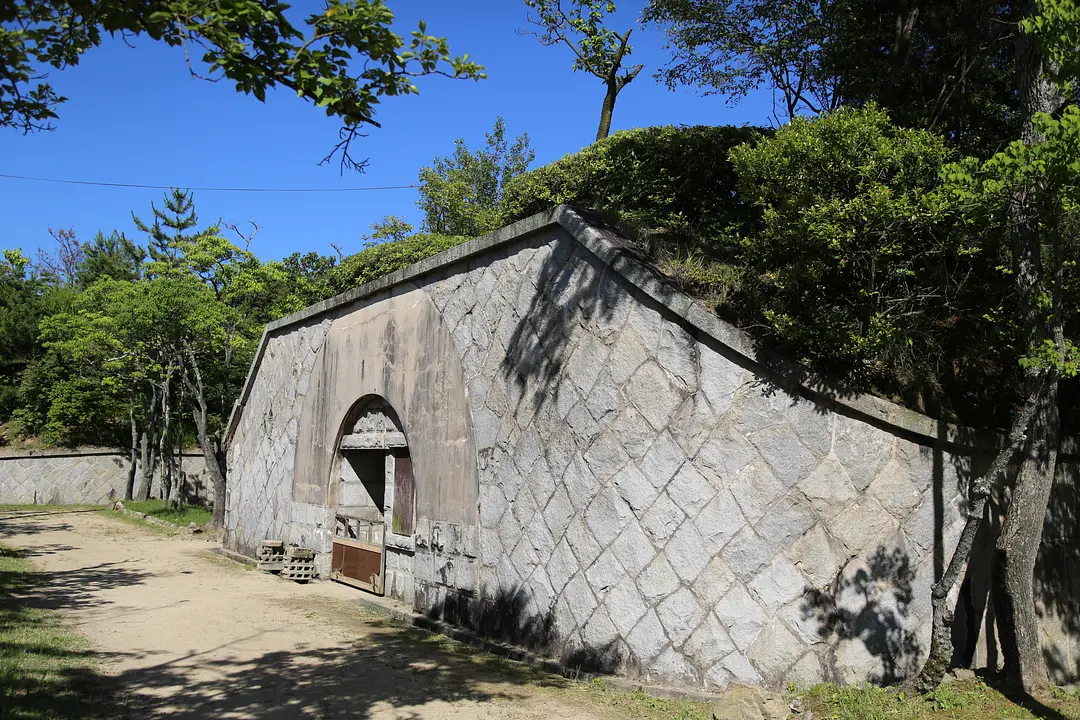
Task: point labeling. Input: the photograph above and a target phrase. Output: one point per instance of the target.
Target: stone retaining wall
(78, 477)
(656, 497)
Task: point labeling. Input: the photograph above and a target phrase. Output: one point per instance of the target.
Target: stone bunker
(533, 436)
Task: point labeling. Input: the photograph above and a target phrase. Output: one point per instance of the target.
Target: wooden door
(404, 495)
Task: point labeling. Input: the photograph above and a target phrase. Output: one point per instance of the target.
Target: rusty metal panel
(404, 495)
(357, 565)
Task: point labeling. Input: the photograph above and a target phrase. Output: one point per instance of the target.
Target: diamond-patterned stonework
(646, 499)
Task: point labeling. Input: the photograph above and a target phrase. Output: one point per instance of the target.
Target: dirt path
(191, 635)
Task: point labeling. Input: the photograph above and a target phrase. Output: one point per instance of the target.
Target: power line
(207, 189)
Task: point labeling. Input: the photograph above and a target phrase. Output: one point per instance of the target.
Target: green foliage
(676, 179)
(1057, 25)
(112, 256)
(462, 194)
(20, 310)
(163, 511)
(943, 66)
(170, 226)
(856, 269)
(345, 61)
(732, 48)
(958, 699)
(375, 261)
(1039, 180)
(597, 49)
(949, 67)
(47, 671)
(391, 227)
(306, 278)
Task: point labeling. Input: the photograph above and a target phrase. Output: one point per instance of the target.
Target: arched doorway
(373, 491)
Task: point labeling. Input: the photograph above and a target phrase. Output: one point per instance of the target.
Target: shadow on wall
(509, 618)
(539, 349)
(573, 289)
(1057, 576)
(871, 603)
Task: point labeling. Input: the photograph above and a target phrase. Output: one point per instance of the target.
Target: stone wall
(77, 477)
(656, 496)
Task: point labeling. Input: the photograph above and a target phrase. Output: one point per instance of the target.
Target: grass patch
(158, 509)
(960, 700)
(45, 670)
(639, 704)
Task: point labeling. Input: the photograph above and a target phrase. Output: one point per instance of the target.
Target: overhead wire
(206, 189)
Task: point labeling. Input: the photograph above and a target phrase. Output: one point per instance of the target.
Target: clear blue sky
(136, 116)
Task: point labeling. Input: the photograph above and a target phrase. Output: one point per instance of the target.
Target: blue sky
(136, 116)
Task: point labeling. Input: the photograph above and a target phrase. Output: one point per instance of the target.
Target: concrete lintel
(373, 441)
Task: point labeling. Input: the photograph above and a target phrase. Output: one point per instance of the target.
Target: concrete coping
(613, 251)
(29, 453)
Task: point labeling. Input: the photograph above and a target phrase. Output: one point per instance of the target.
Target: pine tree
(169, 232)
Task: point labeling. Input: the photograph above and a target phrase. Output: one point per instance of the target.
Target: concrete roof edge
(788, 374)
(477, 246)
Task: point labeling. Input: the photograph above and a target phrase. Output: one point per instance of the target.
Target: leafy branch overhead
(345, 60)
(597, 49)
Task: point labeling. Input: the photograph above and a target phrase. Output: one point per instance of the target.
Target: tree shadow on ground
(390, 670)
(69, 589)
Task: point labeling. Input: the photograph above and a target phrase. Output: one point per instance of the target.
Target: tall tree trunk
(941, 647)
(147, 463)
(211, 450)
(607, 108)
(148, 443)
(1032, 215)
(1018, 546)
(129, 489)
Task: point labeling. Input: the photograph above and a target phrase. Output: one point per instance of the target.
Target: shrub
(375, 261)
(677, 179)
(858, 267)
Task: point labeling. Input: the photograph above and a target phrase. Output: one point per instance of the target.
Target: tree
(1031, 192)
(20, 311)
(61, 265)
(855, 267)
(306, 277)
(109, 256)
(941, 66)
(393, 228)
(170, 227)
(461, 194)
(345, 61)
(944, 66)
(597, 50)
(221, 297)
(732, 48)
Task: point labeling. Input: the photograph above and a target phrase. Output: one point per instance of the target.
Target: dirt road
(190, 635)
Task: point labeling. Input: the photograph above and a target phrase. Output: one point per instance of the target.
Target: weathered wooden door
(404, 495)
(358, 553)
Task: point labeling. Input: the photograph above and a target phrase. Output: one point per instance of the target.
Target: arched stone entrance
(396, 347)
(374, 496)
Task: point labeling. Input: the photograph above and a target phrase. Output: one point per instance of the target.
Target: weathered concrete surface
(81, 476)
(651, 499)
(396, 347)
